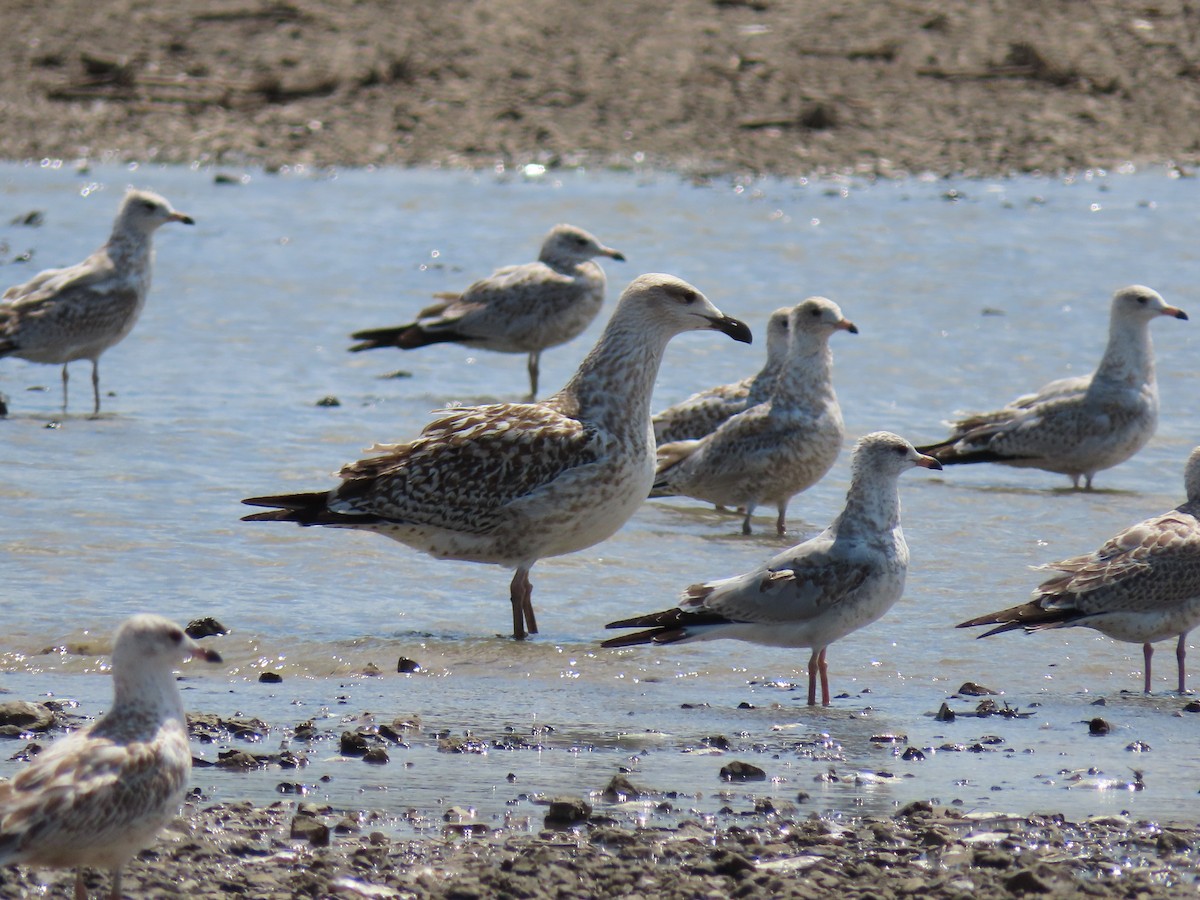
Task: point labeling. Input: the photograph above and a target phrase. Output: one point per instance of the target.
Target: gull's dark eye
(175, 635)
(1142, 300)
(688, 297)
(149, 205)
(900, 451)
(815, 312)
(580, 241)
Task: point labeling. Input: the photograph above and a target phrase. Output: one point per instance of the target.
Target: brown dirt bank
(698, 85)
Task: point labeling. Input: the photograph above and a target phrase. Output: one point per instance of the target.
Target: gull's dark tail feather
(1027, 616)
(406, 337)
(305, 509)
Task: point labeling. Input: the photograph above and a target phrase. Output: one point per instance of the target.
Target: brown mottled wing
(701, 413)
(466, 467)
(69, 799)
(1152, 565)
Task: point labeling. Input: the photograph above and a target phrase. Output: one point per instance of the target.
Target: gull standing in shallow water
(772, 451)
(705, 411)
(1141, 586)
(61, 315)
(100, 795)
(517, 309)
(809, 596)
(1076, 426)
(511, 483)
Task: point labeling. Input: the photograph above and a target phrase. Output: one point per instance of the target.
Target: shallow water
(214, 398)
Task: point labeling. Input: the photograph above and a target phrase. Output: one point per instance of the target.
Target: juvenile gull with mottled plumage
(517, 309)
(1141, 586)
(100, 795)
(809, 596)
(1077, 426)
(511, 483)
(703, 412)
(784, 445)
(61, 315)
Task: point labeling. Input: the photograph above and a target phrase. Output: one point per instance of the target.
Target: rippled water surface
(965, 293)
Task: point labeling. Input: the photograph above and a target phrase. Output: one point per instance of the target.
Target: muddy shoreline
(699, 86)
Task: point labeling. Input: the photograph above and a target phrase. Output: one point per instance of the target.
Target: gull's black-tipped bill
(735, 328)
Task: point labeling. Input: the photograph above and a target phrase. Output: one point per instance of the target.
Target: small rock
(945, 714)
(1027, 882)
(377, 755)
(307, 828)
(269, 677)
(916, 809)
(404, 665)
(1168, 842)
(567, 811)
(740, 771)
(20, 716)
(1099, 727)
(205, 627)
(971, 689)
(912, 753)
(35, 218)
(621, 789)
(716, 741)
(329, 401)
(353, 744)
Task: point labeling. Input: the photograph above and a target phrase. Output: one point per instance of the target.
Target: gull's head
(1191, 476)
(819, 316)
(882, 451)
(1140, 303)
(144, 211)
(151, 641)
(777, 334)
(571, 243)
(673, 306)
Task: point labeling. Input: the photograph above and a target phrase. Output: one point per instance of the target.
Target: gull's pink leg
(812, 678)
(824, 679)
(518, 593)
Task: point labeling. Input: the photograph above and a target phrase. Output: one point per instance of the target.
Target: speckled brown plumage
(98, 796)
(703, 412)
(511, 483)
(784, 445)
(1141, 586)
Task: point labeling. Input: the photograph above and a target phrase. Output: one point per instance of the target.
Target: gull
(784, 445)
(703, 412)
(818, 591)
(517, 309)
(1076, 426)
(1141, 586)
(100, 795)
(511, 483)
(61, 315)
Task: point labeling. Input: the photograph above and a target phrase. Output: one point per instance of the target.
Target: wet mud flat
(298, 850)
(736, 836)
